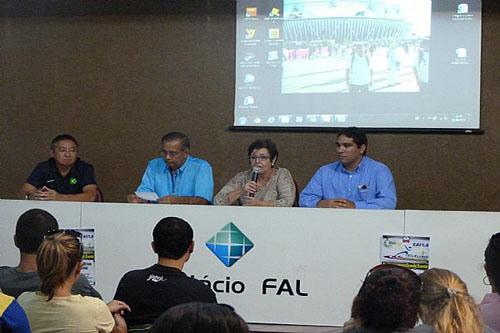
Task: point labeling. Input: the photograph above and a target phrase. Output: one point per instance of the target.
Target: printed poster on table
(88, 269)
(404, 250)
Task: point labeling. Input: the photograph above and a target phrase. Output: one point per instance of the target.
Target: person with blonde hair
(446, 306)
(54, 308)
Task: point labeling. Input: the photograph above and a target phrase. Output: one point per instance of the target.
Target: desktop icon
(272, 55)
(251, 12)
(250, 33)
(249, 78)
(461, 52)
(249, 100)
(462, 8)
(275, 12)
(274, 33)
(249, 56)
(312, 118)
(340, 118)
(284, 119)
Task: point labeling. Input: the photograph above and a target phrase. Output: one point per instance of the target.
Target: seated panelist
(176, 177)
(64, 177)
(264, 184)
(353, 181)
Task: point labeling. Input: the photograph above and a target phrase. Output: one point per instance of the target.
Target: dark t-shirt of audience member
(14, 283)
(150, 292)
(47, 174)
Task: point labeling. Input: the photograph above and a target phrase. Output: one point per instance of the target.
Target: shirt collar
(357, 169)
(182, 168)
(53, 164)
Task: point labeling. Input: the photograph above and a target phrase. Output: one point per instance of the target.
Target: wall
(118, 81)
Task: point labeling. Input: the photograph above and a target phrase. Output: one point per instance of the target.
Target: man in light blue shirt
(354, 181)
(177, 177)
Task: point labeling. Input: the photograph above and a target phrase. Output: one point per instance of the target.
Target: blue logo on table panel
(229, 244)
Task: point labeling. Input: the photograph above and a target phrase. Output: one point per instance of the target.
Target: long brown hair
(446, 304)
(56, 258)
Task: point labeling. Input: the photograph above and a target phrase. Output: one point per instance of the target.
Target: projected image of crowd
(356, 46)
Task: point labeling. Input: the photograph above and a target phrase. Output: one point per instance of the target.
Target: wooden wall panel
(119, 82)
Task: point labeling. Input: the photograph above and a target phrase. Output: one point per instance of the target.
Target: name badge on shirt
(363, 188)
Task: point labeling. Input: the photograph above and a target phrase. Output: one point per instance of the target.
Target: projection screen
(400, 64)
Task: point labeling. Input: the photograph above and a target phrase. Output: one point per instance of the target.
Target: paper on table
(150, 196)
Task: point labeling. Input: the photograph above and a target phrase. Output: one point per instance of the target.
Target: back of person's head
(388, 299)
(172, 237)
(492, 261)
(31, 227)
(357, 135)
(199, 318)
(446, 304)
(56, 259)
(62, 137)
(174, 136)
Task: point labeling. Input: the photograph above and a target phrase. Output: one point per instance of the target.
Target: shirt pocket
(364, 192)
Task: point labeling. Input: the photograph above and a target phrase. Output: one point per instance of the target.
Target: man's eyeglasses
(173, 154)
(70, 232)
(259, 158)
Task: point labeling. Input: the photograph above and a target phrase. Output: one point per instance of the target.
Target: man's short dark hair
(172, 237)
(174, 136)
(265, 143)
(61, 137)
(31, 228)
(357, 135)
(200, 317)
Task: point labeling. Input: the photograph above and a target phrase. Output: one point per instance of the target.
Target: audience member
(64, 177)
(54, 308)
(354, 181)
(490, 305)
(387, 301)
(446, 305)
(200, 318)
(153, 290)
(12, 316)
(274, 186)
(31, 227)
(177, 177)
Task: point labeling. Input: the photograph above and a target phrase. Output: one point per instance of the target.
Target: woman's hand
(250, 187)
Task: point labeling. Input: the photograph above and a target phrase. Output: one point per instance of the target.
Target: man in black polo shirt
(64, 177)
(151, 291)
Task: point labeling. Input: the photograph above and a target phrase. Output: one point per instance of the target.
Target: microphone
(255, 177)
